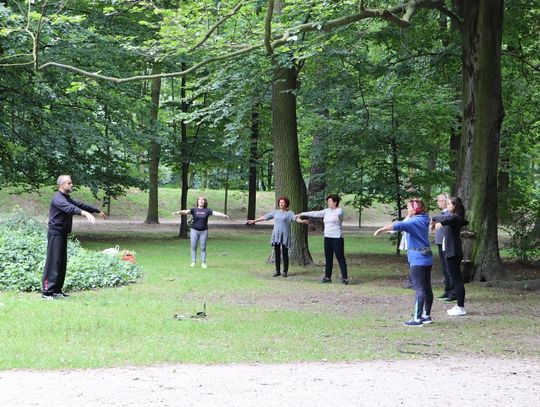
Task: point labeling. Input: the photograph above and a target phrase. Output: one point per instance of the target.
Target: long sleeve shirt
(452, 225)
(282, 226)
(333, 221)
(417, 228)
(61, 213)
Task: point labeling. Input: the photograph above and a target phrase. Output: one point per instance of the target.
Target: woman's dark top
(452, 225)
(200, 218)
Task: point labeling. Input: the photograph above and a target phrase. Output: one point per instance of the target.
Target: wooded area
(375, 99)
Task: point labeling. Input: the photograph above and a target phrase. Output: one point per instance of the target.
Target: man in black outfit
(61, 214)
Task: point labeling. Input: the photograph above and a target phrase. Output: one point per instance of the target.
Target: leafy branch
(390, 14)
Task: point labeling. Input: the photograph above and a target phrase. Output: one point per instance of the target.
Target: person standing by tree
(333, 237)
(420, 259)
(199, 228)
(61, 212)
(448, 294)
(281, 233)
(452, 223)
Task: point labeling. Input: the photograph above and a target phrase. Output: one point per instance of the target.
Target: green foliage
(523, 245)
(23, 248)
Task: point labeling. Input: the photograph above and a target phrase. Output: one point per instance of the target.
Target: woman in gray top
(281, 234)
(333, 237)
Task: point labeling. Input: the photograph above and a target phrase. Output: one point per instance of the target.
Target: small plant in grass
(23, 248)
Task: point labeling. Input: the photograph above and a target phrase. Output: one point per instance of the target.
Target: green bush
(23, 248)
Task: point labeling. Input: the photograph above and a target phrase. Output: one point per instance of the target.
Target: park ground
(455, 381)
(419, 371)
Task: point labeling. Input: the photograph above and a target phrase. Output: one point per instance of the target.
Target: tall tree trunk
(226, 197)
(317, 179)
(183, 232)
(288, 176)
(155, 150)
(252, 183)
(269, 174)
(482, 117)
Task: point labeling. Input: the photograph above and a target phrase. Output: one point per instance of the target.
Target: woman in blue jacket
(420, 259)
(452, 223)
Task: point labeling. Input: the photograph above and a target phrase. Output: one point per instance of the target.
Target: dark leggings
(278, 249)
(421, 279)
(448, 284)
(453, 264)
(335, 245)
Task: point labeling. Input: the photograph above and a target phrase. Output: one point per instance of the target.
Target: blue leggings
(421, 279)
(196, 237)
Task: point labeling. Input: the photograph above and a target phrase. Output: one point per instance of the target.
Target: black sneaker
(276, 274)
(285, 274)
(406, 284)
(442, 297)
(63, 294)
(47, 297)
(53, 296)
(426, 319)
(345, 281)
(450, 299)
(326, 280)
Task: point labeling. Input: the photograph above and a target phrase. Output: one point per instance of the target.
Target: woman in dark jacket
(452, 223)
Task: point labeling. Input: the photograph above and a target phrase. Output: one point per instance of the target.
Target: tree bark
(482, 117)
(288, 176)
(317, 179)
(252, 183)
(152, 216)
(183, 232)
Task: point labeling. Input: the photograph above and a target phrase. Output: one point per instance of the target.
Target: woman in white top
(333, 237)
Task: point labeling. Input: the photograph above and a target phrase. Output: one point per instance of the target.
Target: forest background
(377, 100)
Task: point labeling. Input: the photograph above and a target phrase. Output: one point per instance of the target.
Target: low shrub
(23, 248)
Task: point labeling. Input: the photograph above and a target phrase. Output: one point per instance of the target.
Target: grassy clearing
(253, 317)
(135, 203)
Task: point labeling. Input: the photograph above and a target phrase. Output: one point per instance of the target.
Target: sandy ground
(446, 382)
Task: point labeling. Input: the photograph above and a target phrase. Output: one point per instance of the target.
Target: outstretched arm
(220, 214)
(183, 212)
(251, 222)
(88, 216)
(387, 228)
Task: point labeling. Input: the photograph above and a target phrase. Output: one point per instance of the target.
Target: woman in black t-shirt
(199, 228)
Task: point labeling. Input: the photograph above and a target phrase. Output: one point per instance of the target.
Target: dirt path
(447, 382)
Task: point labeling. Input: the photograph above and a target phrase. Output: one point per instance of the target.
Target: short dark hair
(334, 197)
(285, 199)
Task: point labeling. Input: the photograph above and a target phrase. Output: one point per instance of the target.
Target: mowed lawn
(253, 317)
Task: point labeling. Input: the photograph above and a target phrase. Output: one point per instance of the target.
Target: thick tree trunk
(252, 183)
(482, 117)
(288, 176)
(155, 151)
(183, 232)
(317, 180)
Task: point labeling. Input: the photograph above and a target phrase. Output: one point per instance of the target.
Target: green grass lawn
(252, 317)
(135, 203)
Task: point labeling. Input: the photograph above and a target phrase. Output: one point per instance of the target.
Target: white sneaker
(456, 311)
(203, 265)
(192, 264)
